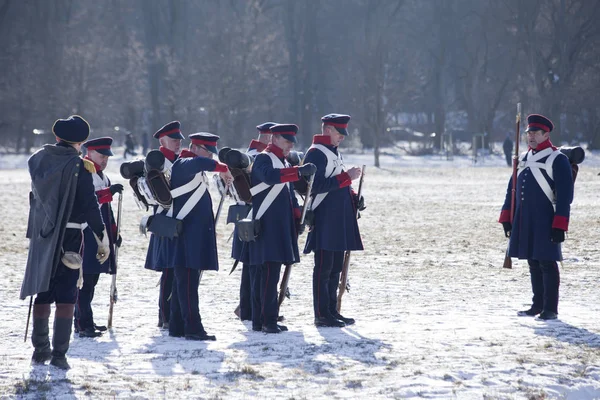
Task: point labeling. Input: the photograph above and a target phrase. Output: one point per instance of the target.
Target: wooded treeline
(224, 66)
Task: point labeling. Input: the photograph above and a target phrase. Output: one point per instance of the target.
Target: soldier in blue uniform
(159, 249)
(277, 210)
(335, 229)
(541, 218)
(239, 249)
(195, 250)
(98, 151)
(62, 204)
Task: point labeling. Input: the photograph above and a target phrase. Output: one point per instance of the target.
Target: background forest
(432, 66)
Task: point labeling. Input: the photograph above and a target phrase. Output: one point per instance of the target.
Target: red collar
(171, 156)
(98, 168)
(256, 145)
(322, 139)
(275, 150)
(544, 145)
(185, 153)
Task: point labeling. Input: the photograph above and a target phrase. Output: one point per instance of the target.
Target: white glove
(103, 247)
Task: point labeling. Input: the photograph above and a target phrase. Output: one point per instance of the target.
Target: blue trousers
(265, 308)
(185, 313)
(164, 297)
(545, 281)
(254, 273)
(84, 316)
(246, 294)
(62, 289)
(326, 278)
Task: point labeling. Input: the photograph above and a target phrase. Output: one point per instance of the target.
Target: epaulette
(89, 166)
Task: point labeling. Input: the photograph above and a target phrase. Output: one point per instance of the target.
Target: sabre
(219, 208)
(28, 317)
(223, 189)
(113, 283)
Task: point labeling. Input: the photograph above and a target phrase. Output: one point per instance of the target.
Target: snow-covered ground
(435, 310)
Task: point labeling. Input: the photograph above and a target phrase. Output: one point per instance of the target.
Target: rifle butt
(507, 262)
(110, 314)
(343, 281)
(284, 284)
(113, 287)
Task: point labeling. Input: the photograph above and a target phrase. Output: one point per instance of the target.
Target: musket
(28, 317)
(113, 283)
(513, 193)
(344, 276)
(285, 280)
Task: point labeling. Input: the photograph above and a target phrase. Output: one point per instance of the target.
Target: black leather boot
(63, 321)
(531, 312)
(329, 322)
(39, 335)
(347, 321)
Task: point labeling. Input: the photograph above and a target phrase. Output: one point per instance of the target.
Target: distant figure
(507, 146)
(145, 144)
(129, 146)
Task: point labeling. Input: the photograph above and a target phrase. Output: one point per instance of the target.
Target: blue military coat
(196, 247)
(91, 265)
(335, 227)
(160, 249)
(277, 241)
(535, 214)
(240, 250)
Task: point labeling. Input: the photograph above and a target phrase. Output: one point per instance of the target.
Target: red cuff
(220, 167)
(289, 174)
(289, 171)
(104, 196)
(561, 222)
(297, 213)
(344, 179)
(289, 178)
(505, 216)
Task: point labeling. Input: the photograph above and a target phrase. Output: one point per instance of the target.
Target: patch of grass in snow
(582, 371)
(247, 371)
(28, 385)
(536, 395)
(87, 387)
(521, 360)
(354, 384)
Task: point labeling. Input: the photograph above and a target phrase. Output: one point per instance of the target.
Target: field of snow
(435, 310)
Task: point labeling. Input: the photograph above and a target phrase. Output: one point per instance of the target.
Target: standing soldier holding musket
(62, 204)
(239, 249)
(544, 192)
(98, 151)
(195, 250)
(276, 217)
(160, 248)
(335, 229)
